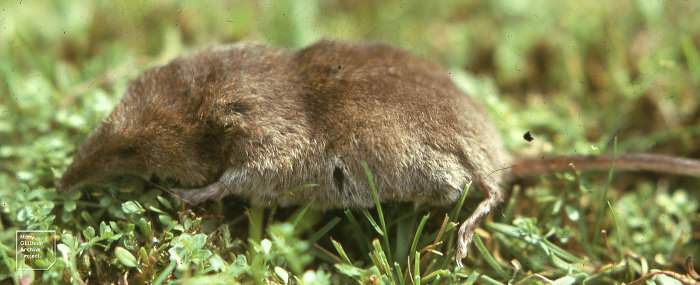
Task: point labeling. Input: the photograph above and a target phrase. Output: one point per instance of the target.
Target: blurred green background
(585, 77)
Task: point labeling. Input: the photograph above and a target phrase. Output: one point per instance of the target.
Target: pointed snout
(76, 176)
(67, 181)
(81, 173)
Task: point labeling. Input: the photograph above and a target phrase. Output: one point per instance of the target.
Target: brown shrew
(256, 121)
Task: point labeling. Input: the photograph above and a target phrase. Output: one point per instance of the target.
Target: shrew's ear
(229, 114)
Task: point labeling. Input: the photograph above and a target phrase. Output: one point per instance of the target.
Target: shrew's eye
(238, 108)
(126, 151)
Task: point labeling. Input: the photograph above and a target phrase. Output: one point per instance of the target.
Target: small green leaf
(282, 274)
(165, 220)
(663, 279)
(154, 209)
(145, 228)
(89, 233)
(164, 202)
(132, 207)
(105, 230)
(566, 280)
(266, 245)
(572, 213)
(69, 206)
(125, 257)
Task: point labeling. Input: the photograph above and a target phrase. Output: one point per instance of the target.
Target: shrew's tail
(626, 162)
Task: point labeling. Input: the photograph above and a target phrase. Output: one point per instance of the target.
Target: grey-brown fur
(261, 122)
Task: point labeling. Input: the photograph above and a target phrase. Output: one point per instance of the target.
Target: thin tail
(625, 162)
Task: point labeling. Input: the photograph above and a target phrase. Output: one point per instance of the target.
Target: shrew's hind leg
(195, 196)
(494, 197)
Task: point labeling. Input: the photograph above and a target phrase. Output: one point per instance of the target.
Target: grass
(583, 77)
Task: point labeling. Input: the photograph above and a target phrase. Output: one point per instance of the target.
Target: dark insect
(528, 136)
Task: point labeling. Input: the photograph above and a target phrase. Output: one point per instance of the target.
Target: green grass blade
(485, 279)
(570, 257)
(618, 228)
(454, 214)
(472, 278)
(164, 274)
(604, 197)
(378, 206)
(399, 273)
(360, 236)
(372, 222)
(416, 238)
(324, 230)
(380, 260)
(435, 274)
(488, 257)
(405, 229)
(300, 214)
(255, 218)
(341, 251)
(416, 268)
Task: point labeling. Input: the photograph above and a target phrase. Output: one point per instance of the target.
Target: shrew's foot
(194, 196)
